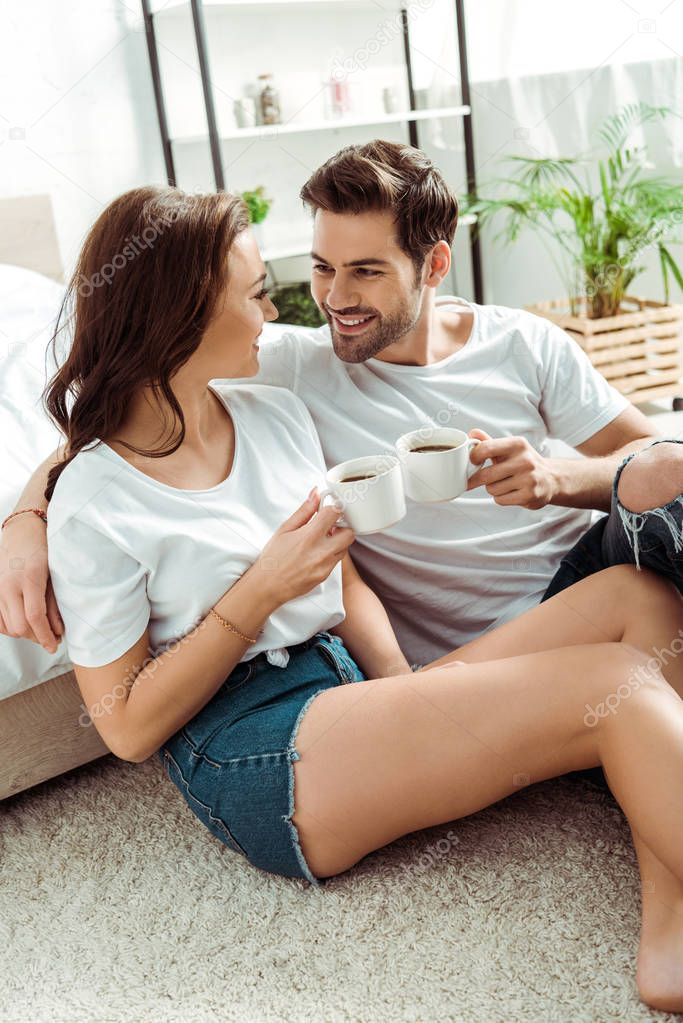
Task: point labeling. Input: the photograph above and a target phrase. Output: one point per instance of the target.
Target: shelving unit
(411, 117)
(299, 127)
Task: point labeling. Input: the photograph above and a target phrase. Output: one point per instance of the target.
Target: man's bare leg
(386, 757)
(619, 604)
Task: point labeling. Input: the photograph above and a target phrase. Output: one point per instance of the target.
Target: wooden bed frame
(40, 733)
(41, 737)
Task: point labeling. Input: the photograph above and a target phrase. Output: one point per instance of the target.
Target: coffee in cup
(434, 447)
(435, 461)
(369, 492)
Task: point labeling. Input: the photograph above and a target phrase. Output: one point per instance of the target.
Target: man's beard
(384, 332)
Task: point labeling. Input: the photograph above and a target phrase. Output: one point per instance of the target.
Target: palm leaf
(600, 228)
(606, 191)
(669, 263)
(617, 128)
(540, 171)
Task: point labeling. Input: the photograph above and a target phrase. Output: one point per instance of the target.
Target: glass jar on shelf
(269, 100)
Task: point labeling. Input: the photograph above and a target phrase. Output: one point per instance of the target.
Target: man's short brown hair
(392, 177)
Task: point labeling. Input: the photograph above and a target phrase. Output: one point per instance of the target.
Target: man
(394, 358)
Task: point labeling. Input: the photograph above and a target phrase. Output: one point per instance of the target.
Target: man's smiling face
(363, 282)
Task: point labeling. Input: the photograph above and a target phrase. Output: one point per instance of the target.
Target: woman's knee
(324, 845)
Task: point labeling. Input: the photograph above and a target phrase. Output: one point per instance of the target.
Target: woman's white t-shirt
(126, 552)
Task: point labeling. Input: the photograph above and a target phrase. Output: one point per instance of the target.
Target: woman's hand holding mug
(303, 551)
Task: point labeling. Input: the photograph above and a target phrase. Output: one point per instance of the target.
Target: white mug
(370, 503)
(435, 475)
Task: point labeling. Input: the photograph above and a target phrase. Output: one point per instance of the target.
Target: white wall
(76, 108)
(519, 38)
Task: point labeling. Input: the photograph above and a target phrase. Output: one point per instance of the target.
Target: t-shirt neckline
(435, 366)
(109, 452)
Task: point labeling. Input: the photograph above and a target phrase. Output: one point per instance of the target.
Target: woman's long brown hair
(143, 292)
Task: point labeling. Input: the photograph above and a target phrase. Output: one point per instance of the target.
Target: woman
(214, 619)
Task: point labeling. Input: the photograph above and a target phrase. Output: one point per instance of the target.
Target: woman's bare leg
(383, 758)
(618, 604)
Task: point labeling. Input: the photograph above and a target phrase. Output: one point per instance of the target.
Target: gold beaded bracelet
(229, 626)
(36, 511)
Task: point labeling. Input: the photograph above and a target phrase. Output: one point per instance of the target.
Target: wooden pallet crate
(640, 351)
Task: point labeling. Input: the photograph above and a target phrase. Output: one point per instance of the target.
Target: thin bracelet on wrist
(230, 627)
(36, 511)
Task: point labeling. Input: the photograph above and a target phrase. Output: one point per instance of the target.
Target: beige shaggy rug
(117, 906)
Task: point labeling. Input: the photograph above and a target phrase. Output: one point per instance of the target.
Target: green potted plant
(295, 304)
(258, 204)
(597, 217)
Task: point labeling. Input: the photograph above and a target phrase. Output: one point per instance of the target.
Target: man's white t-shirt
(448, 572)
(126, 552)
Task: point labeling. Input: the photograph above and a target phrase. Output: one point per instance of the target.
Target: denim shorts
(233, 761)
(653, 539)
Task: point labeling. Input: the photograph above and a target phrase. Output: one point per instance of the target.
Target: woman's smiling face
(229, 346)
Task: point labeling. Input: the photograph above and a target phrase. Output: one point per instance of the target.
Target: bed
(40, 701)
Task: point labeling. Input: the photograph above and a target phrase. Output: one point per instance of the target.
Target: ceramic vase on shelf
(245, 112)
(390, 99)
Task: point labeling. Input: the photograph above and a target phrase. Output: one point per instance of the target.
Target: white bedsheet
(29, 304)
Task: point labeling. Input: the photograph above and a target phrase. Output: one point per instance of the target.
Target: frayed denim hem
(635, 522)
(293, 755)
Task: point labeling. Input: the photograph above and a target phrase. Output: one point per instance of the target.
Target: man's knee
(653, 478)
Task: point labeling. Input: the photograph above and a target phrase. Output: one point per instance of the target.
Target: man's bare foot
(660, 958)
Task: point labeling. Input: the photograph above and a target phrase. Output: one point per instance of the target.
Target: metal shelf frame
(199, 26)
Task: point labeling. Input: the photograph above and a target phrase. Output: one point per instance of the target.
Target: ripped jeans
(653, 539)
